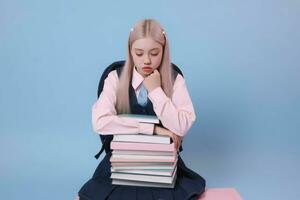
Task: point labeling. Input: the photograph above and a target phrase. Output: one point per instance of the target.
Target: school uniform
(176, 114)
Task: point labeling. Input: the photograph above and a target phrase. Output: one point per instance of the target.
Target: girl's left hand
(152, 81)
(163, 131)
(177, 141)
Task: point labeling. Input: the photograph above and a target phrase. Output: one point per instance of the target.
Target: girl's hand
(152, 81)
(163, 131)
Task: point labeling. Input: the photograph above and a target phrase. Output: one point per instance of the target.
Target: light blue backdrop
(240, 60)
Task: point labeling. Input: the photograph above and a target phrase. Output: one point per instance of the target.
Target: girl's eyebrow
(143, 50)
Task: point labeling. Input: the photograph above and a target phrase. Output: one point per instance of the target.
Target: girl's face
(146, 54)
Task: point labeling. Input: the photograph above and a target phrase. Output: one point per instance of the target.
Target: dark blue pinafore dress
(189, 185)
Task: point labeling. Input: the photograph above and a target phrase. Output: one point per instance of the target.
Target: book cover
(143, 184)
(145, 178)
(142, 146)
(150, 153)
(117, 166)
(143, 164)
(142, 158)
(141, 118)
(158, 172)
(142, 138)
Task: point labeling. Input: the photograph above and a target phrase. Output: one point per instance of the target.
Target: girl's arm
(104, 116)
(176, 114)
(163, 131)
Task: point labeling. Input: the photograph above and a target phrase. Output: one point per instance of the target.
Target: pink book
(220, 194)
(141, 158)
(143, 164)
(142, 146)
(116, 159)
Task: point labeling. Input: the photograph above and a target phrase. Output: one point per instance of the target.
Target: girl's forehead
(145, 44)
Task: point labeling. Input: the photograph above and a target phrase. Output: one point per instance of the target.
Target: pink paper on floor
(220, 194)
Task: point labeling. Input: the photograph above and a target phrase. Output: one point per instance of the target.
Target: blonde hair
(145, 28)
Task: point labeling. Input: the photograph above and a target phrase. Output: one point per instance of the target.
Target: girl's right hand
(163, 131)
(152, 81)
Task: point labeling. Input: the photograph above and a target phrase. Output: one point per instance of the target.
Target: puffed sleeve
(177, 113)
(104, 116)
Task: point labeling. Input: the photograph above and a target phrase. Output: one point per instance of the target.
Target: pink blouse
(176, 114)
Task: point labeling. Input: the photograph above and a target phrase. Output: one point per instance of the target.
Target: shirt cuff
(146, 128)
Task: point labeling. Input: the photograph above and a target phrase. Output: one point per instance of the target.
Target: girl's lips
(147, 69)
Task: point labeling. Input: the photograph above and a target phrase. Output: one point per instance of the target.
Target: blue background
(240, 60)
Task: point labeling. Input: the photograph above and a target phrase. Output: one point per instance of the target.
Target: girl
(147, 84)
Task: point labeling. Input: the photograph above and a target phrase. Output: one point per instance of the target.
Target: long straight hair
(145, 28)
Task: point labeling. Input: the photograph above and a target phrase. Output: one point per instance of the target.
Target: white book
(143, 184)
(153, 119)
(142, 158)
(142, 138)
(144, 165)
(145, 178)
(158, 172)
(150, 153)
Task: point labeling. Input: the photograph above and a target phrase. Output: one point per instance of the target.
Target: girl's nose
(147, 60)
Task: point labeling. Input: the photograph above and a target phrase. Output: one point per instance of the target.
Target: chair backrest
(106, 139)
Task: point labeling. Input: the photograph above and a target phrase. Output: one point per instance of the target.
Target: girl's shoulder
(112, 77)
(111, 81)
(179, 81)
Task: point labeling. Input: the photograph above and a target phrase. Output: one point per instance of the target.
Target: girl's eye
(152, 54)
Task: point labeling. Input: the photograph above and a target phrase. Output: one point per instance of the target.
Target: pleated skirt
(188, 186)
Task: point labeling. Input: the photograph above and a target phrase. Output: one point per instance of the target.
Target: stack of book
(143, 160)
